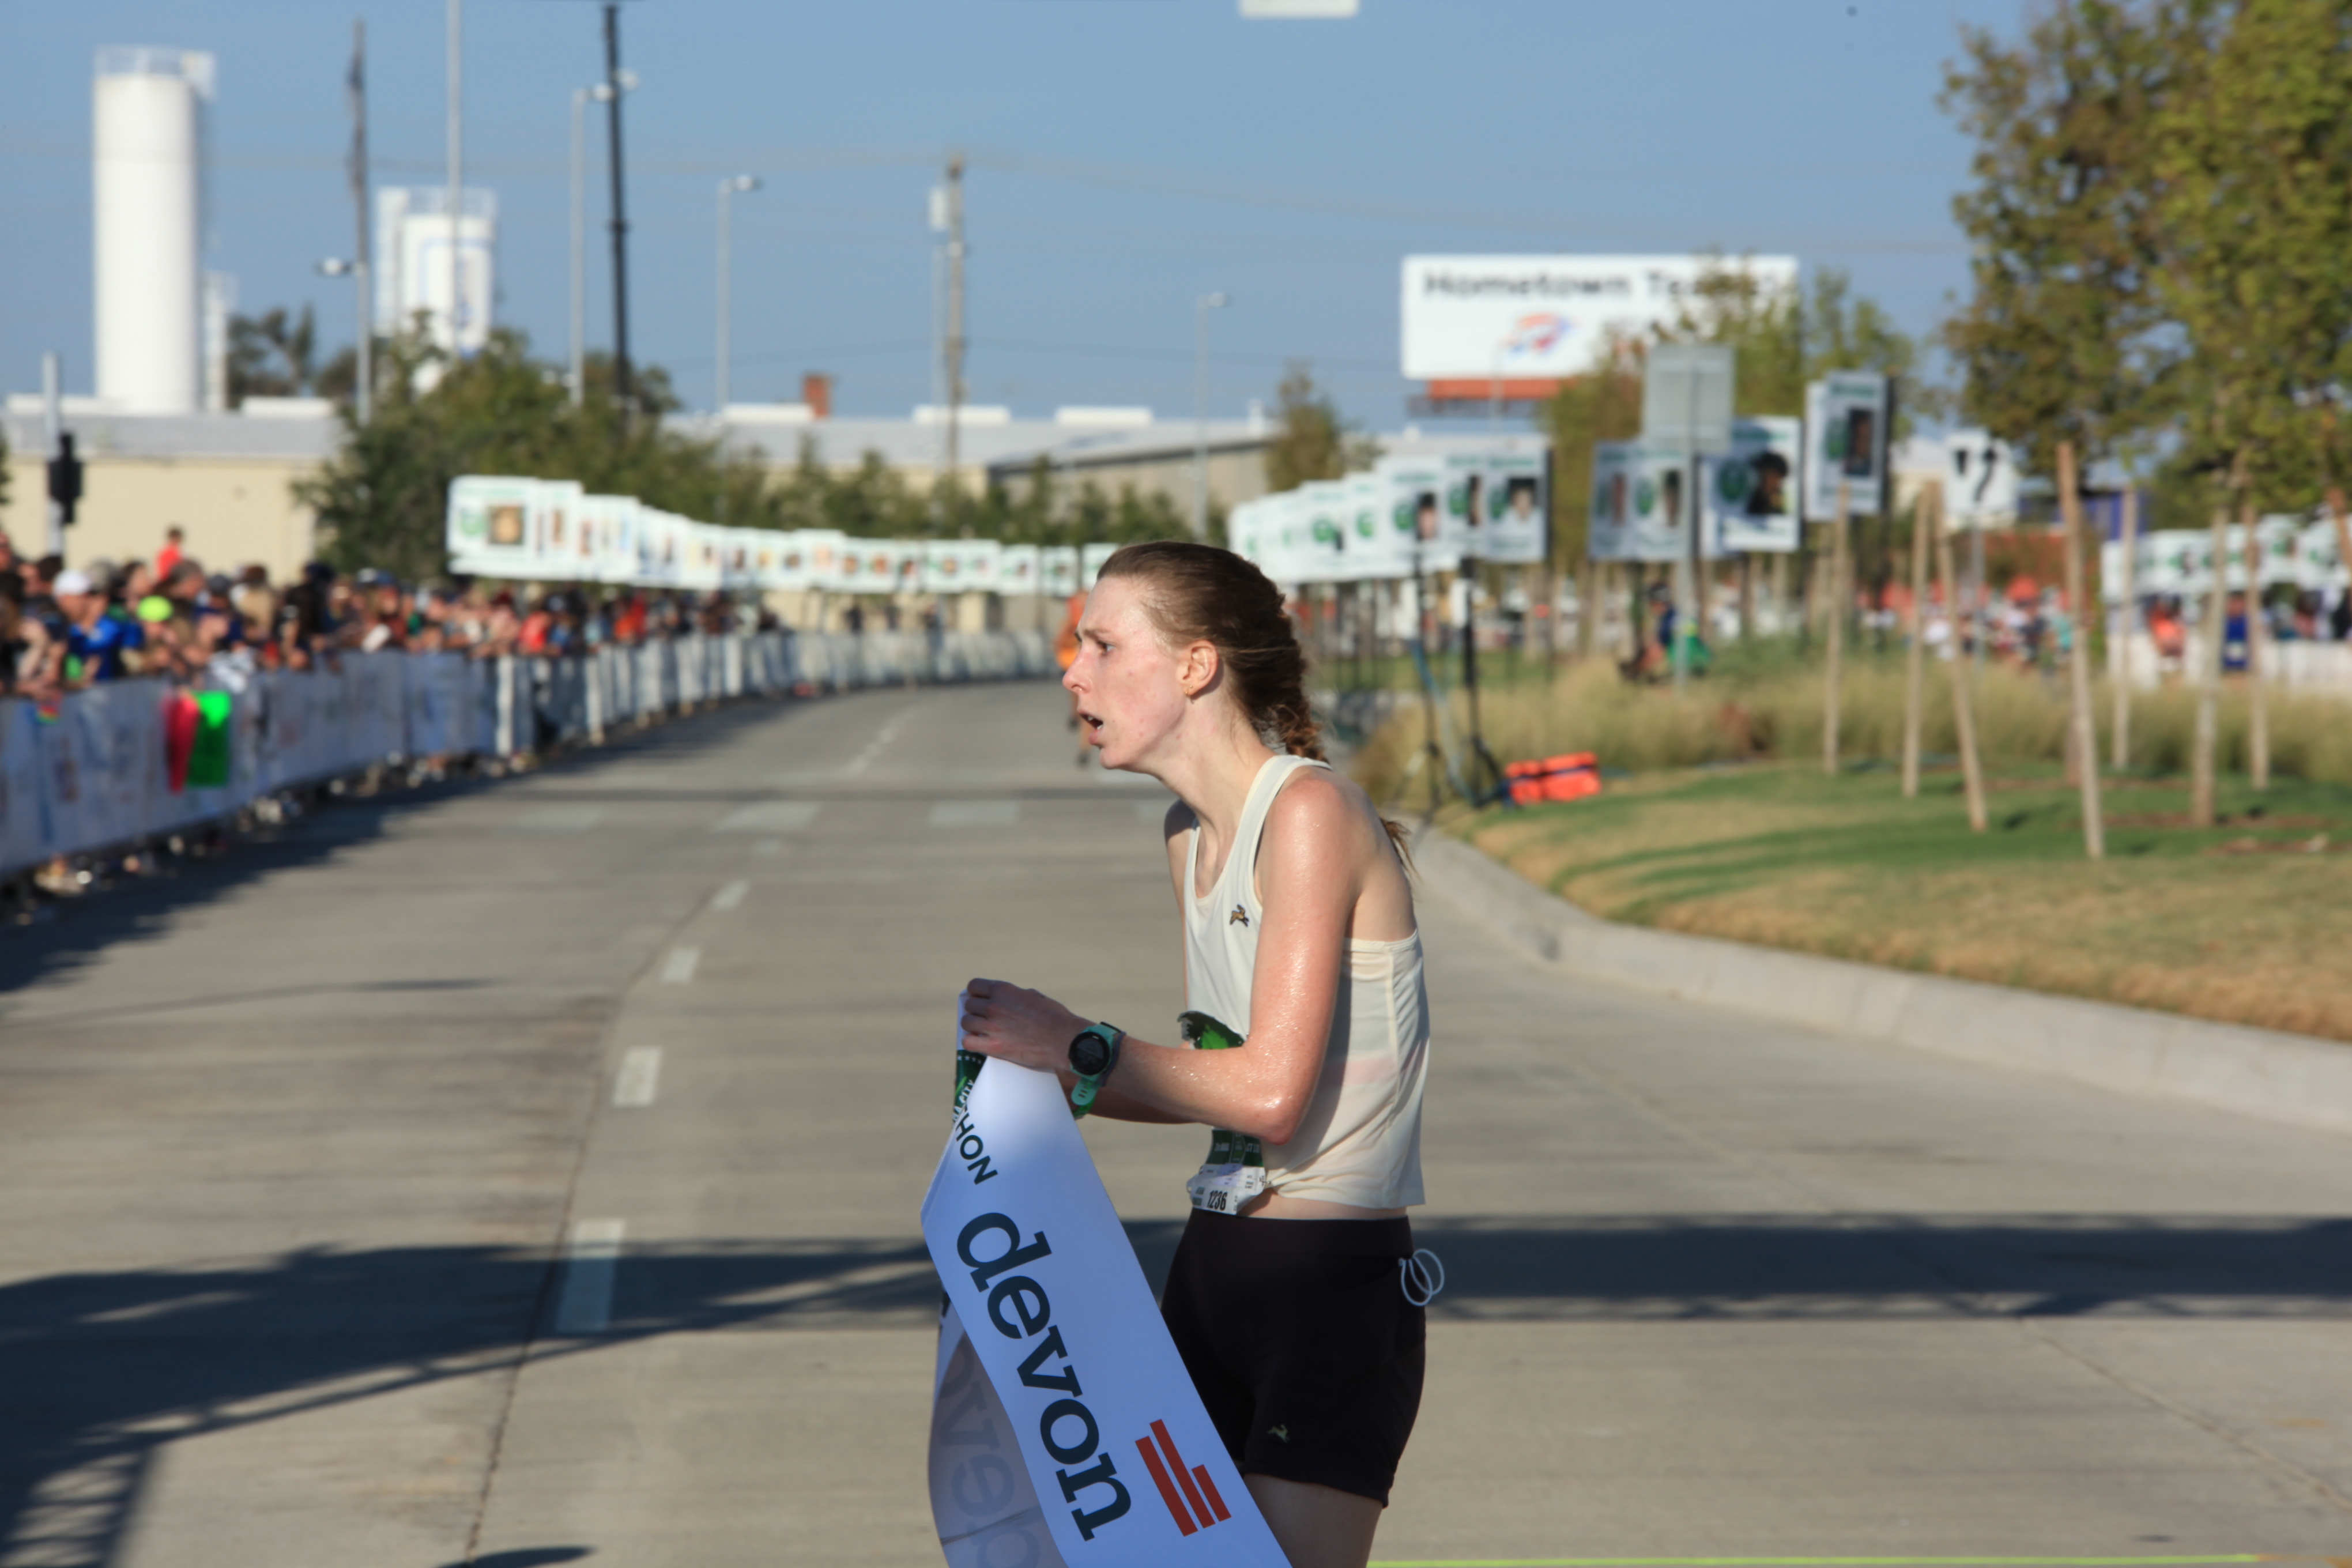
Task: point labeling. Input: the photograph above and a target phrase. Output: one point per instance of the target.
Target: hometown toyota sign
(1520, 317)
(1064, 1429)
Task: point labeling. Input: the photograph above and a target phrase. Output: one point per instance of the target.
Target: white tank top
(1359, 1141)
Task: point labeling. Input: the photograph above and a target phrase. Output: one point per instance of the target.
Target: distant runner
(1297, 1295)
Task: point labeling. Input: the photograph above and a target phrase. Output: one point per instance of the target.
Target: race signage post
(1065, 1430)
(1686, 404)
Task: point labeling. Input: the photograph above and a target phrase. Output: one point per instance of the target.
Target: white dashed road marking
(882, 737)
(975, 813)
(768, 817)
(730, 896)
(678, 968)
(560, 820)
(640, 1077)
(590, 1262)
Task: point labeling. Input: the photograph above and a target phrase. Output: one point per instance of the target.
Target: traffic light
(65, 477)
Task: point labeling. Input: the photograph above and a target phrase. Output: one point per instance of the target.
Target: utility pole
(456, 165)
(362, 259)
(1201, 308)
(621, 392)
(954, 345)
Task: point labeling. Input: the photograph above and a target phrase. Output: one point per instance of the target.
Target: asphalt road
(294, 1150)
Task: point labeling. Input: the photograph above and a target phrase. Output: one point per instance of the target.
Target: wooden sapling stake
(2086, 727)
(1838, 598)
(1963, 720)
(1913, 665)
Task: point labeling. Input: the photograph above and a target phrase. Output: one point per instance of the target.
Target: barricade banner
(96, 769)
(1111, 1460)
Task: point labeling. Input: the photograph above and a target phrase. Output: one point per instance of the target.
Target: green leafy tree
(1311, 441)
(270, 355)
(2255, 159)
(381, 500)
(2255, 165)
(1784, 340)
(2066, 335)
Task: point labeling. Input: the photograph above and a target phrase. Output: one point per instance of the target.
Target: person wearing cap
(96, 641)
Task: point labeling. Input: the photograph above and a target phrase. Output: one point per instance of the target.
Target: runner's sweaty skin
(1326, 873)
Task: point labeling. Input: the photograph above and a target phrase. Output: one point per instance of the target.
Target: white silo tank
(146, 173)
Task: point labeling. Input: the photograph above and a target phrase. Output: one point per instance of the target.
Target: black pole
(621, 389)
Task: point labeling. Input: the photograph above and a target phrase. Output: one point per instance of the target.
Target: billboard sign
(1416, 488)
(1638, 506)
(1846, 442)
(1979, 481)
(1520, 317)
(1751, 491)
(489, 529)
(1518, 494)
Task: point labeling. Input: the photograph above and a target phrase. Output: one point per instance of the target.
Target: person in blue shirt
(95, 639)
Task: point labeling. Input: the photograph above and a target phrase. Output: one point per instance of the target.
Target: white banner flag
(1064, 1417)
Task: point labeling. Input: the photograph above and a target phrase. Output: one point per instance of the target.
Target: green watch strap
(1082, 1093)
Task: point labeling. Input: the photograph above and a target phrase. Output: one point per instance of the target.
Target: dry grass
(2183, 921)
(2021, 717)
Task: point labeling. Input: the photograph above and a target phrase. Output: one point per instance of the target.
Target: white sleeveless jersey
(1359, 1141)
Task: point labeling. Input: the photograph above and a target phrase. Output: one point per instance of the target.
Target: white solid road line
(730, 896)
(640, 1077)
(590, 1262)
(679, 967)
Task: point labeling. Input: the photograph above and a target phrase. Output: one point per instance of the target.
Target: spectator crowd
(62, 628)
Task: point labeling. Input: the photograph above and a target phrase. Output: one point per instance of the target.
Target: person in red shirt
(174, 537)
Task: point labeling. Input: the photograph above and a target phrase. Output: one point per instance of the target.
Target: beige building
(228, 479)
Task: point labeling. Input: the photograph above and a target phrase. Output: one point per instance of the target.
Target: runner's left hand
(1020, 1026)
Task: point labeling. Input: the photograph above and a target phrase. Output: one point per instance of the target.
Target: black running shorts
(1302, 1344)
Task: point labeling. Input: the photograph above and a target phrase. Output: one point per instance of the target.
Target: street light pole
(580, 99)
(1201, 308)
(456, 166)
(727, 191)
(363, 381)
(614, 81)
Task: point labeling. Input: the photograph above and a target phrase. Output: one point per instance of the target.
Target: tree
(1785, 341)
(2066, 336)
(2256, 158)
(1311, 441)
(269, 357)
(381, 500)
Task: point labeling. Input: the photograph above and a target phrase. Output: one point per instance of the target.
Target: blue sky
(1127, 155)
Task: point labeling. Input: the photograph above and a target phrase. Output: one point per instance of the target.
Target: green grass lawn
(2248, 922)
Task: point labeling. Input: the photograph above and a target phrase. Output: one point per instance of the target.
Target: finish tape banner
(1065, 1430)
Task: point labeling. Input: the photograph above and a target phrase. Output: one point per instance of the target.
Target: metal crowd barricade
(95, 773)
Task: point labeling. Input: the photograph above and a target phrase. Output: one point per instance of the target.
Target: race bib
(1234, 1171)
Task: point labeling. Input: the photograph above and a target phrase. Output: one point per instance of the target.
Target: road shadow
(101, 1369)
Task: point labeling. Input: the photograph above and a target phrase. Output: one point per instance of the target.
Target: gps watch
(1094, 1052)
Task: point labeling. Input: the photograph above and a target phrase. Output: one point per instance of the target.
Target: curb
(2255, 1072)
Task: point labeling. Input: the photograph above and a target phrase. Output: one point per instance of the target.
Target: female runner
(1292, 1298)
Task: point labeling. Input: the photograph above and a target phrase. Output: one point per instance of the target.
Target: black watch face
(1089, 1053)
